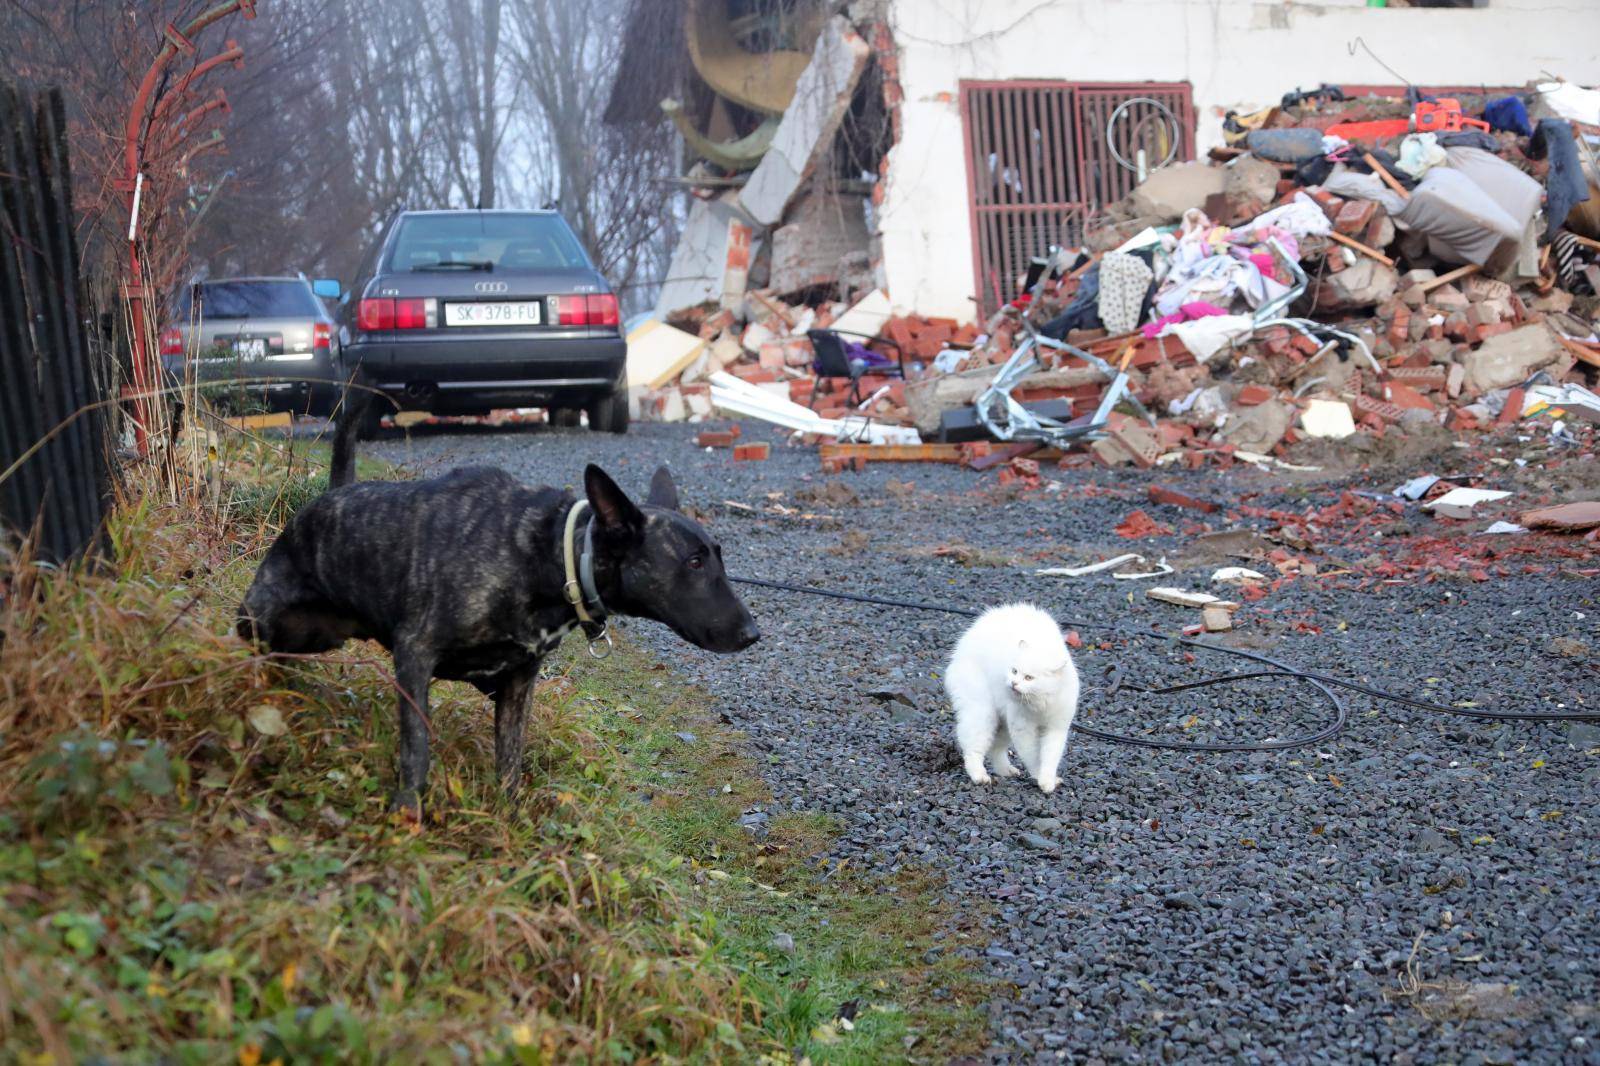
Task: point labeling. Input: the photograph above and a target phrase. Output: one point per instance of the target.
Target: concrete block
(806, 132)
(1169, 192)
(1510, 358)
(711, 263)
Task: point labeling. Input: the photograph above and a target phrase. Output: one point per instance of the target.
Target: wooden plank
(1454, 275)
(934, 453)
(273, 421)
(1004, 454)
(1369, 252)
(1388, 178)
(1582, 351)
(893, 453)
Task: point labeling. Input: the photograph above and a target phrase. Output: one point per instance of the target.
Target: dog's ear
(611, 505)
(663, 492)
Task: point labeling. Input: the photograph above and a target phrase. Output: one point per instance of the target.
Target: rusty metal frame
(1048, 137)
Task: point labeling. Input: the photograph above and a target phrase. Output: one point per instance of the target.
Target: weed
(197, 865)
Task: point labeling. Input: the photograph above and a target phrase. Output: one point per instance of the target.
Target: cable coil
(1323, 683)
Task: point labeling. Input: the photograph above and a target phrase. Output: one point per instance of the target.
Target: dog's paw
(1007, 770)
(980, 778)
(1048, 785)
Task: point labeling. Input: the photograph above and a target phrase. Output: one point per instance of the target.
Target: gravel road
(1165, 906)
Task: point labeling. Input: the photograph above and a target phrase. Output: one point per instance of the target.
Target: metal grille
(1039, 161)
(57, 491)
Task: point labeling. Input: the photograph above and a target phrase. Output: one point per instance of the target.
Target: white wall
(1236, 54)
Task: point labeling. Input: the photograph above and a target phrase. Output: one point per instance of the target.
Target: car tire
(565, 417)
(609, 414)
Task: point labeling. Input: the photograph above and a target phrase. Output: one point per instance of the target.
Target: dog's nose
(749, 633)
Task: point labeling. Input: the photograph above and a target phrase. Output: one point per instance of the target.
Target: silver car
(272, 338)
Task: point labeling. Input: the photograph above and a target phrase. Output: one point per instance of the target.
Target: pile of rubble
(1340, 267)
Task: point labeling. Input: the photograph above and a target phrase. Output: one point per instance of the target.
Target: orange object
(1444, 116)
(1372, 132)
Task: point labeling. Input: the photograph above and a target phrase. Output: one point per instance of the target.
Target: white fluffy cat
(1012, 683)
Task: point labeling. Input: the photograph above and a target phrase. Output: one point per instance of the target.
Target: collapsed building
(894, 169)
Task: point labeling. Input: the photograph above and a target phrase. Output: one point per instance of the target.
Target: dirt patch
(828, 494)
(1424, 446)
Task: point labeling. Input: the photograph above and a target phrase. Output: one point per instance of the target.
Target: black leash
(1323, 683)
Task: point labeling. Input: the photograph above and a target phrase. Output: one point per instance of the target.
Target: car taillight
(603, 309)
(416, 314)
(376, 314)
(321, 336)
(172, 341)
(398, 314)
(598, 310)
(572, 311)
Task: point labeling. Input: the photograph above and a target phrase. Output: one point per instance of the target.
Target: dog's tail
(355, 408)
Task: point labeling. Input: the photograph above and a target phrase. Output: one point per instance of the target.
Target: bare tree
(606, 180)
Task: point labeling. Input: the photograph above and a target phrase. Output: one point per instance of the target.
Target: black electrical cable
(1321, 682)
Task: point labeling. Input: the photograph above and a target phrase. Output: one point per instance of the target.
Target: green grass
(197, 864)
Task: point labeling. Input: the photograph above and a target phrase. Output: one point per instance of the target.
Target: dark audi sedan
(462, 312)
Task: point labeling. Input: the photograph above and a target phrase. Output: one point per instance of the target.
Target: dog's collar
(579, 589)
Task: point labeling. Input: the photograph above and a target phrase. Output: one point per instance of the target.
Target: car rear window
(484, 241)
(251, 299)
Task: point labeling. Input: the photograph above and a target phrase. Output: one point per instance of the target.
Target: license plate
(251, 348)
(524, 313)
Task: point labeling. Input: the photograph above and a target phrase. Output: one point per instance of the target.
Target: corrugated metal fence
(1042, 156)
(59, 491)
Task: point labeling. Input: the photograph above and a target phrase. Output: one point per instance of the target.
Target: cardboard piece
(658, 353)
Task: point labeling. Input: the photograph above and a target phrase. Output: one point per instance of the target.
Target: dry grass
(196, 862)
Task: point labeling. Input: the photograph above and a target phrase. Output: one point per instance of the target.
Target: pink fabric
(1186, 313)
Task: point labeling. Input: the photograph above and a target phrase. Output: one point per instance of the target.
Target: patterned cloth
(1124, 280)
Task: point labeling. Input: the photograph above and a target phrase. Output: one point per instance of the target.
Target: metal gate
(1042, 156)
(53, 461)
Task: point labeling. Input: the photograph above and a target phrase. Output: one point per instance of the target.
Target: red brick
(715, 438)
(1354, 216)
(1305, 345)
(1400, 328)
(1252, 395)
(1420, 377)
(1515, 401)
(756, 375)
(1403, 395)
(1173, 498)
(745, 453)
(1380, 409)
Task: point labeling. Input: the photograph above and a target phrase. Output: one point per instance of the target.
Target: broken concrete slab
(1251, 180)
(1364, 284)
(819, 234)
(1258, 428)
(868, 315)
(1169, 192)
(658, 353)
(1511, 358)
(711, 263)
(821, 99)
